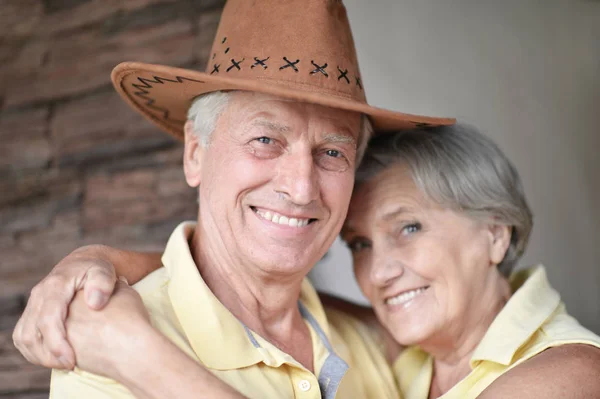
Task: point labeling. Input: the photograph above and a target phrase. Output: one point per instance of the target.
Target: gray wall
(528, 74)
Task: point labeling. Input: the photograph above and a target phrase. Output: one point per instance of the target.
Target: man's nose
(298, 179)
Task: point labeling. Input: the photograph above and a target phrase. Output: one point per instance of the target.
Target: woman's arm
(40, 333)
(568, 371)
(132, 265)
(119, 342)
(177, 377)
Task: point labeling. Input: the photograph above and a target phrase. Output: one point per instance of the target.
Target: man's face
(275, 182)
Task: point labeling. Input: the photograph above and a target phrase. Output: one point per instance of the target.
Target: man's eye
(358, 245)
(333, 153)
(264, 140)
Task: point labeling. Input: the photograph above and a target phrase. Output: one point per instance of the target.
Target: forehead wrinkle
(391, 215)
(274, 126)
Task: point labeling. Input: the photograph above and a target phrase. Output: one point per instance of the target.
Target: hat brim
(163, 94)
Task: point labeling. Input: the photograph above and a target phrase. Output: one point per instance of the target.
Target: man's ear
(193, 154)
(499, 241)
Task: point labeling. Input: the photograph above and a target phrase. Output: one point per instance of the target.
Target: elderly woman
(437, 222)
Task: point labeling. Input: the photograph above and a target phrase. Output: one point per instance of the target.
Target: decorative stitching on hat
(343, 74)
(289, 64)
(421, 124)
(226, 50)
(146, 84)
(319, 68)
(235, 64)
(215, 69)
(224, 40)
(260, 62)
(358, 82)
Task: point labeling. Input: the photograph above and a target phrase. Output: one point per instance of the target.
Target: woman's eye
(411, 228)
(358, 245)
(264, 140)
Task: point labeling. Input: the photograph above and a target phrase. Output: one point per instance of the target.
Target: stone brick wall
(78, 166)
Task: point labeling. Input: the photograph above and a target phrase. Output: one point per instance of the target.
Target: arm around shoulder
(132, 265)
(568, 371)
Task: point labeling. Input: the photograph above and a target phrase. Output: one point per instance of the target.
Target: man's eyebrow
(339, 138)
(278, 127)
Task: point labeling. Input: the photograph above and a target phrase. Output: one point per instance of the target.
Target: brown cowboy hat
(301, 50)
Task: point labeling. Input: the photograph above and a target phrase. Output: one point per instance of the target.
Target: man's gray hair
(461, 169)
(206, 109)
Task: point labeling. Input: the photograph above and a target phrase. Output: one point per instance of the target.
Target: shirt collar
(218, 338)
(532, 302)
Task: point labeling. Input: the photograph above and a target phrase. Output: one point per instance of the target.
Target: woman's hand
(108, 340)
(40, 334)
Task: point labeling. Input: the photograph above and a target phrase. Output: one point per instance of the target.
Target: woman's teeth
(280, 219)
(405, 296)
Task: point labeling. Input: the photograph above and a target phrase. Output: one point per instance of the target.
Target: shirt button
(304, 385)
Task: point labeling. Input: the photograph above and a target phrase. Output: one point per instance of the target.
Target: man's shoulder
(154, 290)
(80, 384)
(152, 282)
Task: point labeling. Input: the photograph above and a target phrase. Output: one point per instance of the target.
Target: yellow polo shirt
(348, 362)
(533, 320)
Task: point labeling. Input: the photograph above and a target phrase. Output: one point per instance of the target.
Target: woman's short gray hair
(459, 168)
(206, 109)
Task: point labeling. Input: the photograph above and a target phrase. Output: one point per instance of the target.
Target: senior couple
(275, 131)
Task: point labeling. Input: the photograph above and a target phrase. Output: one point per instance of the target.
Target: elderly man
(274, 131)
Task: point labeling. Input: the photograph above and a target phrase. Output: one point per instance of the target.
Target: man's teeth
(405, 296)
(280, 219)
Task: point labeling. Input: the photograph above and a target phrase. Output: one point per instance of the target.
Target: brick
(12, 381)
(101, 127)
(91, 42)
(27, 186)
(52, 6)
(37, 251)
(9, 50)
(120, 188)
(19, 17)
(18, 284)
(7, 240)
(16, 155)
(140, 196)
(24, 124)
(32, 55)
(65, 228)
(156, 159)
(38, 213)
(171, 181)
(28, 395)
(90, 12)
(140, 237)
(88, 73)
(148, 210)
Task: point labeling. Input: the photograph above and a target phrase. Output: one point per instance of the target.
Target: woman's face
(424, 268)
